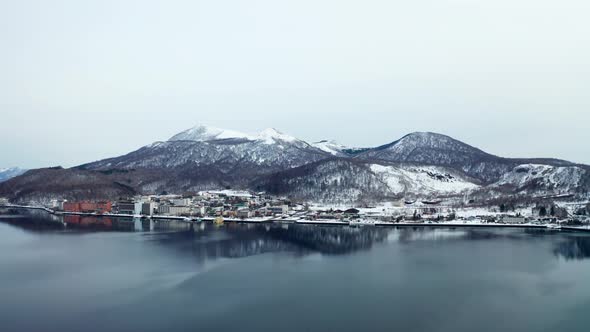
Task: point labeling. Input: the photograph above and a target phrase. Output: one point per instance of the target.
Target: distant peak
(413, 142)
(270, 132)
(270, 135)
(424, 137)
(424, 134)
(202, 133)
(330, 146)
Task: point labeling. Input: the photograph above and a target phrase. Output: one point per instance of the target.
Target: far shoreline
(309, 222)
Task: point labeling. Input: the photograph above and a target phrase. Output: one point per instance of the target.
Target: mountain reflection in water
(232, 240)
(96, 274)
(574, 247)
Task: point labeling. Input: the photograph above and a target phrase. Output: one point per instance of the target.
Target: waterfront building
(57, 204)
(88, 207)
(280, 209)
(173, 210)
(137, 208)
(244, 213)
(126, 207)
(513, 219)
(147, 208)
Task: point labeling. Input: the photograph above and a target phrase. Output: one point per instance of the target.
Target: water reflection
(34, 221)
(330, 240)
(207, 241)
(574, 247)
(240, 240)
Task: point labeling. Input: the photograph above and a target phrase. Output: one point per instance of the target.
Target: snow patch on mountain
(9, 173)
(423, 179)
(271, 136)
(206, 133)
(546, 177)
(413, 145)
(330, 147)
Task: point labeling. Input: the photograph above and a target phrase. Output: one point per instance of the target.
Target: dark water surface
(97, 275)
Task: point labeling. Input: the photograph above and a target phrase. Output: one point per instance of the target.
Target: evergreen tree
(542, 211)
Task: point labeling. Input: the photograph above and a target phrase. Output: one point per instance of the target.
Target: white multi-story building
(57, 204)
(173, 210)
(279, 209)
(513, 220)
(137, 208)
(147, 208)
(181, 201)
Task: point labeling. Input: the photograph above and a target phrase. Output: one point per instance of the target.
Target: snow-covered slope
(543, 179)
(346, 180)
(272, 136)
(441, 150)
(331, 147)
(424, 180)
(207, 133)
(9, 173)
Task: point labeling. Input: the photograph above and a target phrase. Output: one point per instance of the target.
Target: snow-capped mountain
(228, 151)
(207, 133)
(331, 147)
(426, 147)
(9, 173)
(423, 165)
(436, 149)
(273, 136)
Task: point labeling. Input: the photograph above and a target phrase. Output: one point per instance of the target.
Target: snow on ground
(490, 211)
(389, 209)
(426, 179)
(207, 133)
(228, 192)
(565, 178)
(271, 135)
(330, 147)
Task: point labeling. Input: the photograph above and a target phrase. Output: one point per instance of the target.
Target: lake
(132, 275)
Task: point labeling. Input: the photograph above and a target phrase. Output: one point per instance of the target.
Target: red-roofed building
(88, 207)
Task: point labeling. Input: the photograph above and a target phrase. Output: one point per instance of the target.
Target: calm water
(133, 276)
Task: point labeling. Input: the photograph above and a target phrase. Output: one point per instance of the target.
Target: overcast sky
(84, 80)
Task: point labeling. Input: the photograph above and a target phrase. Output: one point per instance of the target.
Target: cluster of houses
(225, 203)
(234, 204)
(337, 214)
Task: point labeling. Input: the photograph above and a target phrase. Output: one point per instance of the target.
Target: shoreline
(307, 222)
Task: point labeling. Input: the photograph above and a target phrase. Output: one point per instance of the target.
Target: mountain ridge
(10, 172)
(417, 164)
